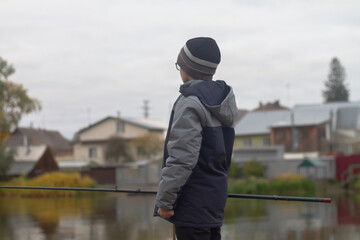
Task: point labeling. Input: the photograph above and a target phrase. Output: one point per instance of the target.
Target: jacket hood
(216, 96)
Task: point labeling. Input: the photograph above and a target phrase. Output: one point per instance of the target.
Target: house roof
(30, 153)
(20, 168)
(313, 114)
(259, 122)
(311, 162)
(73, 164)
(38, 137)
(153, 125)
(304, 117)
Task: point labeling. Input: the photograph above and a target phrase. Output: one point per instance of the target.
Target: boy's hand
(165, 213)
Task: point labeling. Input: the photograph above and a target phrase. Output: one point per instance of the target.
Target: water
(127, 217)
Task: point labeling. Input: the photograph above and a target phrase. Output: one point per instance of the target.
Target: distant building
(241, 114)
(32, 161)
(323, 128)
(303, 130)
(270, 106)
(254, 128)
(91, 142)
(60, 146)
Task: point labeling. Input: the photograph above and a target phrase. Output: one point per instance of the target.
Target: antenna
(288, 98)
(146, 108)
(89, 116)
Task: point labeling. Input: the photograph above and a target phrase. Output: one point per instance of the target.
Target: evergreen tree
(335, 88)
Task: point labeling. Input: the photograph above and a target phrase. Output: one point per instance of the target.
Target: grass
(54, 179)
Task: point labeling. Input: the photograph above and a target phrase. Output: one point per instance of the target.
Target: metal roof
(155, 125)
(147, 123)
(259, 122)
(73, 164)
(311, 162)
(304, 117)
(344, 115)
(20, 168)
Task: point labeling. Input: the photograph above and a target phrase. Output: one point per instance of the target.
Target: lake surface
(129, 217)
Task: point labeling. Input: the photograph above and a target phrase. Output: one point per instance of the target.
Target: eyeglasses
(177, 66)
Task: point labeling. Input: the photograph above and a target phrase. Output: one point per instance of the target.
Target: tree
(14, 103)
(14, 100)
(117, 151)
(6, 158)
(254, 168)
(335, 88)
(149, 145)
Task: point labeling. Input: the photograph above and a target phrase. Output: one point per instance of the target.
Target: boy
(193, 187)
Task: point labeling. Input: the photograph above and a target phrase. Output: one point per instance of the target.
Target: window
(92, 152)
(247, 142)
(120, 127)
(266, 141)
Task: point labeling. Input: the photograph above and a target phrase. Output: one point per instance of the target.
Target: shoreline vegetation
(53, 179)
(285, 184)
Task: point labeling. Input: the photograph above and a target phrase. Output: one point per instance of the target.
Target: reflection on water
(113, 217)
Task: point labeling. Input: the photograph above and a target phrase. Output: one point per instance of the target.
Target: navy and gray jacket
(197, 154)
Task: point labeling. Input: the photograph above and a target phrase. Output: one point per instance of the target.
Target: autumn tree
(14, 100)
(14, 104)
(335, 87)
(149, 145)
(118, 151)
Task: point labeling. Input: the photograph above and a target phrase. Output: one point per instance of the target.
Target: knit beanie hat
(199, 58)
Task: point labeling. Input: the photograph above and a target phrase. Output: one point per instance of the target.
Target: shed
(313, 163)
(32, 161)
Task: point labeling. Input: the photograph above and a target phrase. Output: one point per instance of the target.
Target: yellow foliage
(290, 177)
(54, 179)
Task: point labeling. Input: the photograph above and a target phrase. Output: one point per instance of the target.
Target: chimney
(27, 144)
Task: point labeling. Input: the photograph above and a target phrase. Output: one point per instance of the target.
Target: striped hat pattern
(199, 58)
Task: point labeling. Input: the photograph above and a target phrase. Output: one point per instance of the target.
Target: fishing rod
(139, 191)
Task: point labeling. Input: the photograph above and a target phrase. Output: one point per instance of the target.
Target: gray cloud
(109, 56)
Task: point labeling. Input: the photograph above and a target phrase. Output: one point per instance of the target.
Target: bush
(54, 179)
(292, 184)
(254, 168)
(355, 184)
(236, 171)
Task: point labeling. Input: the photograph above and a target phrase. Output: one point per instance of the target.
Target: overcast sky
(86, 60)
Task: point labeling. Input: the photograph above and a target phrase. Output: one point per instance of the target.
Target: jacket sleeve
(183, 149)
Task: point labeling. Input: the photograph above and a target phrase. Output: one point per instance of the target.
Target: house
(254, 128)
(303, 130)
(32, 161)
(323, 128)
(91, 142)
(60, 146)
